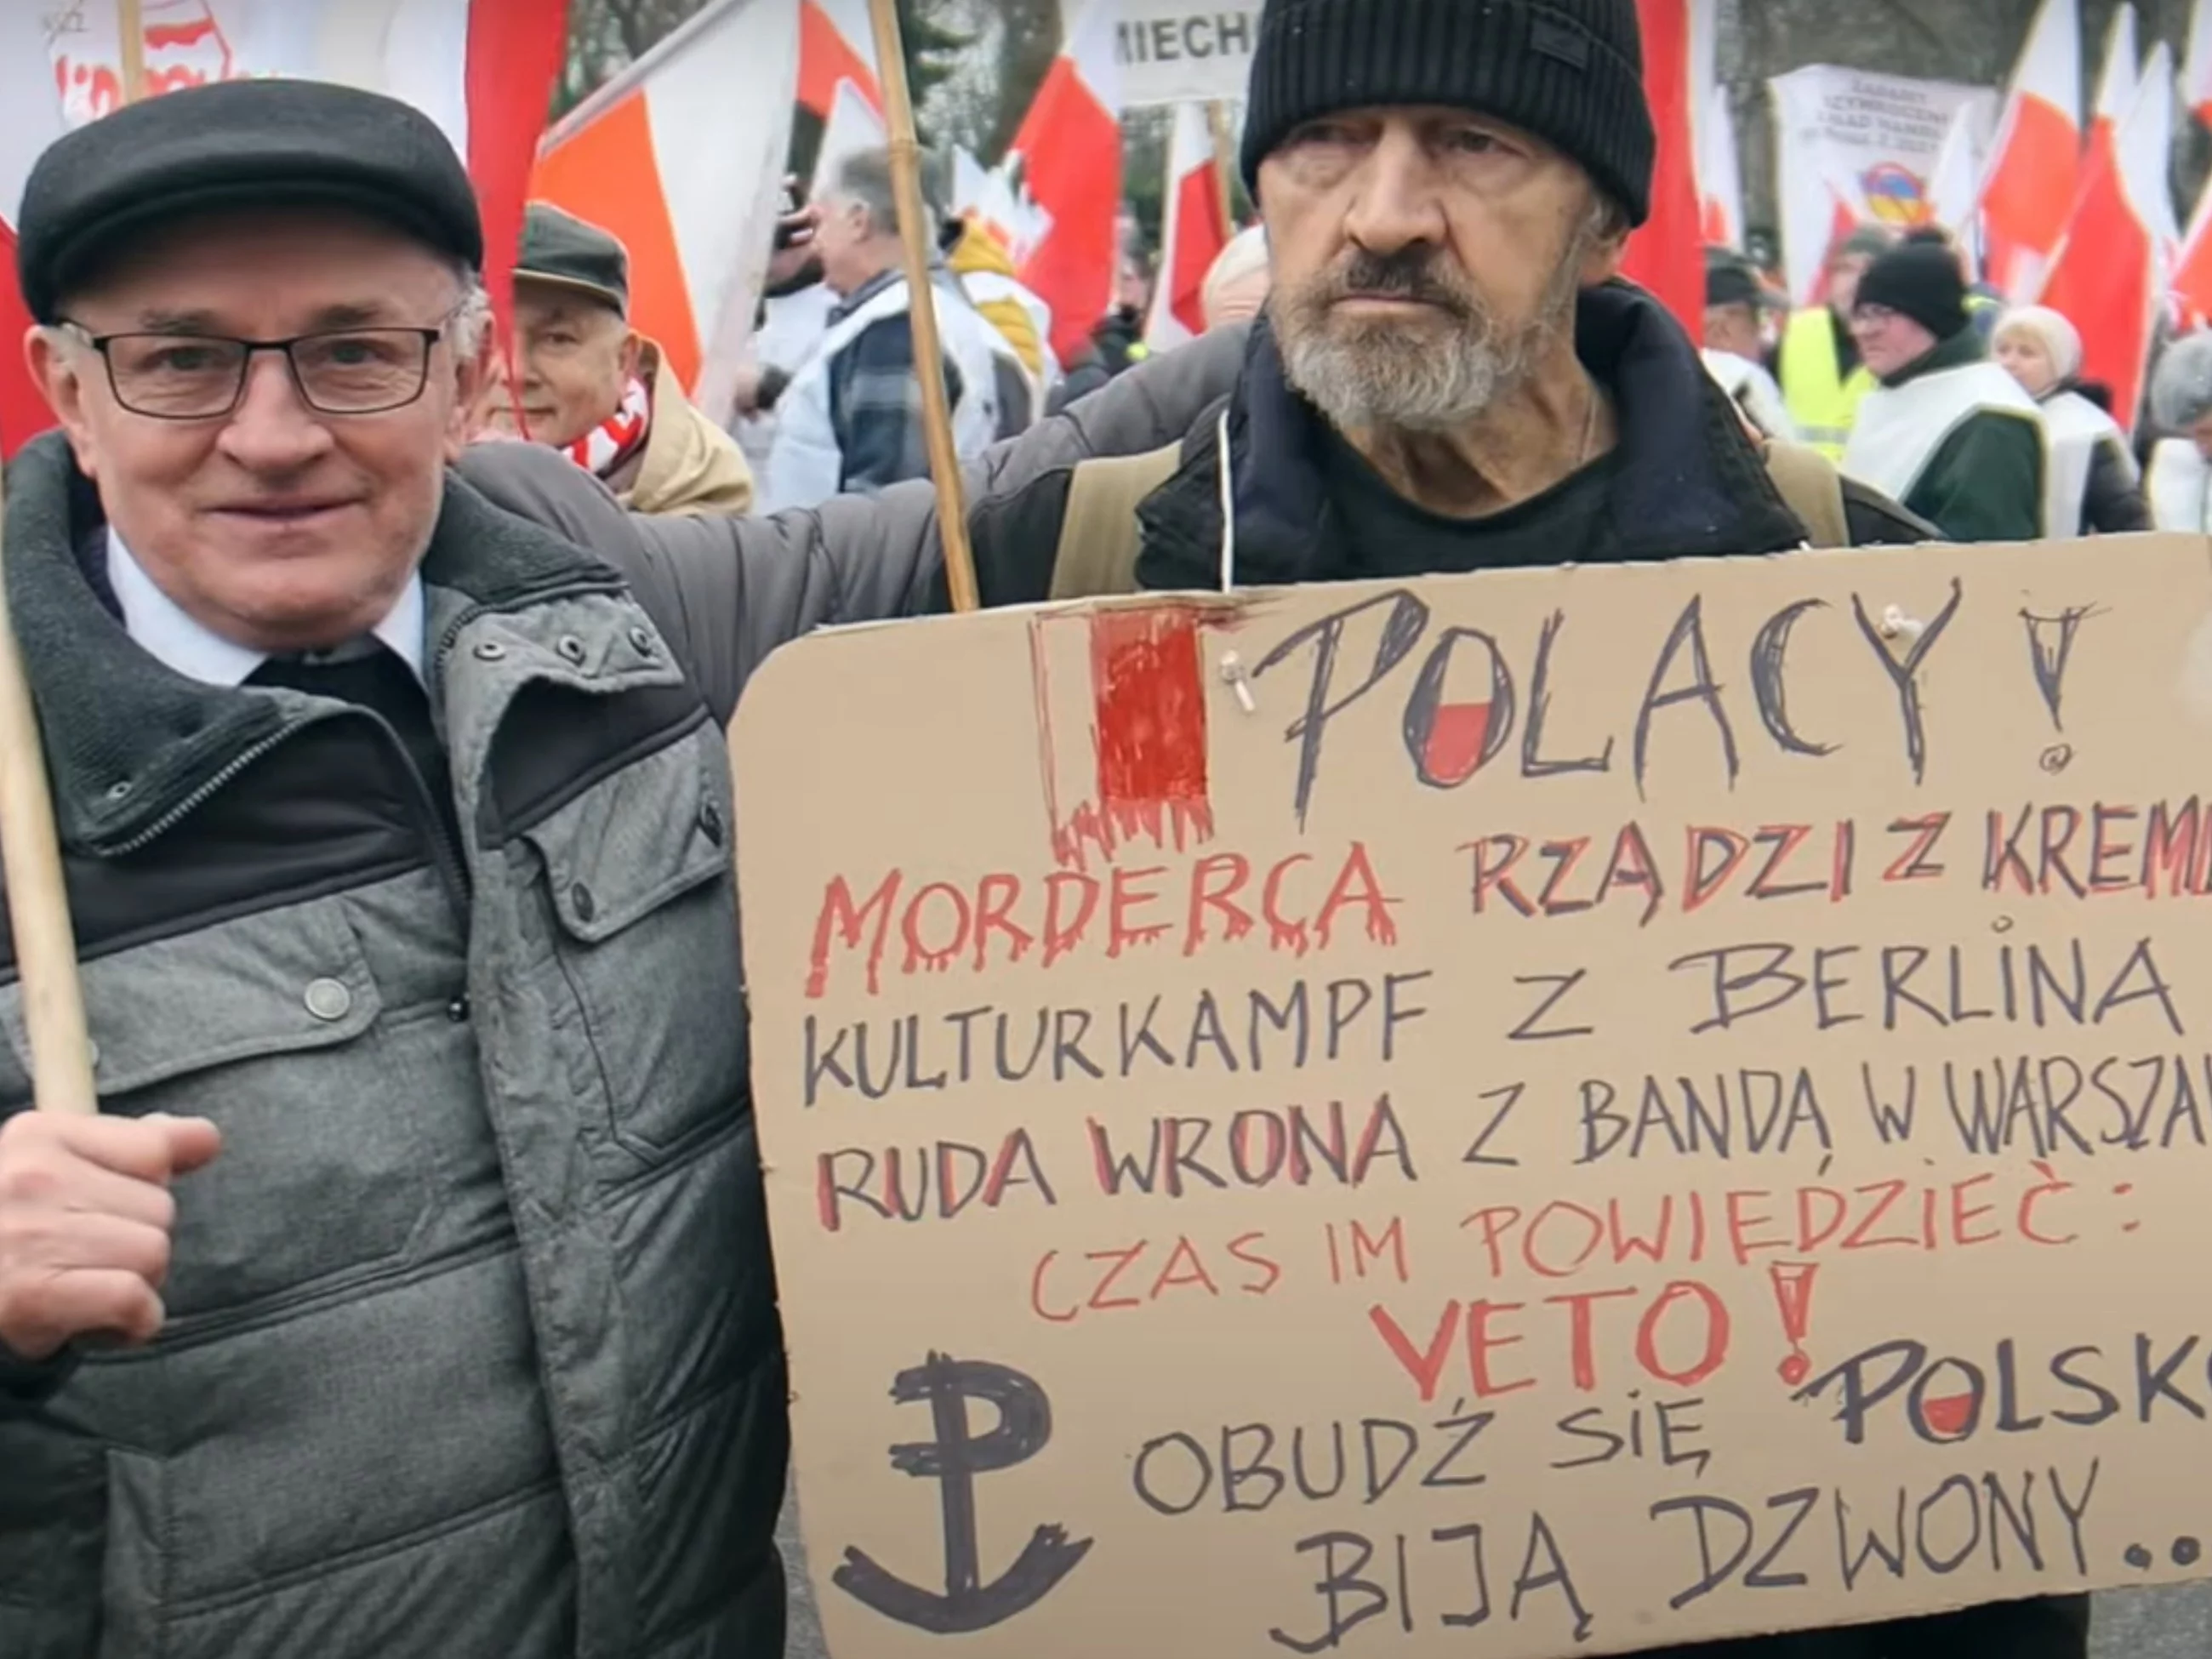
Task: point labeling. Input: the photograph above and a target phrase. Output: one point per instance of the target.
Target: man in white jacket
(851, 419)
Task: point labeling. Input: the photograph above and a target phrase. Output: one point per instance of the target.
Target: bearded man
(1450, 377)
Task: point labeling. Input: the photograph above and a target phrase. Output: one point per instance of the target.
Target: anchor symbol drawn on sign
(954, 1459)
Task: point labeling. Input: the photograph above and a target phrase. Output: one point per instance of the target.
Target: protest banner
(1604, 1107)
(1872, 141)
(1178, 52)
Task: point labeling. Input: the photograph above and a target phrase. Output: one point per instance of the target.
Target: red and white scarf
(610, 445)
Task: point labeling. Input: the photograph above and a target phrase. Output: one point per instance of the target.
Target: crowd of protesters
(383, 691)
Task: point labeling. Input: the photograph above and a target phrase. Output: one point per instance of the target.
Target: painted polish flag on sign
(681, 158)
(483, 71)
(1122, 729)
(1069, 151)
(2110, 277)
(2036, 161)
(1195, 232)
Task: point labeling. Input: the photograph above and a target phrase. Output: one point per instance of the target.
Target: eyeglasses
(201, 377)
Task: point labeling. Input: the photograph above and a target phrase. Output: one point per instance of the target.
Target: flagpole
(38, 900)
(30, 845)
(1224, 161)
(918, 233)
(131, 32)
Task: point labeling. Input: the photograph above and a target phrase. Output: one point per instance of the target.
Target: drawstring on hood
(1228, 472)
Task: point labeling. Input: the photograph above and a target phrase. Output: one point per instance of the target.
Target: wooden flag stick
(918, 233)
(30, 849)
(37, 902)
(1224, 161)
(130, 35)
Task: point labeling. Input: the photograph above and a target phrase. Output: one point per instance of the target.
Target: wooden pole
(130, 35)
(1224, 163)
(30, 849)
(38, 902)
(918, 233)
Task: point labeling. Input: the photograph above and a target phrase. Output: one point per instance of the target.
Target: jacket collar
(1961, 349)
(129, 740)
(940, 274)
(688, 464)
(1689, 483)
(866, 291)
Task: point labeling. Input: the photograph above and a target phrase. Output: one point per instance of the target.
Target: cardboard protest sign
(1562, 1111)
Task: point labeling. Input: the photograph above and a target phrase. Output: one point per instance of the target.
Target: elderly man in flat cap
(411, 1296)
(598, 392)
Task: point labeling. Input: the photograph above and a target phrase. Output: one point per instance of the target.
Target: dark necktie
(369, 675)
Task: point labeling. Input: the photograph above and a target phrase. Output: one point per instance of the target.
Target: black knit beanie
(1922, 281)
(1569, 71)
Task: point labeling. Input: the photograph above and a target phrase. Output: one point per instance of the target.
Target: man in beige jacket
(602, 393)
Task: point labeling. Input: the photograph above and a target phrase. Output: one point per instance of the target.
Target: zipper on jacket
(213, 786)
(445, 855)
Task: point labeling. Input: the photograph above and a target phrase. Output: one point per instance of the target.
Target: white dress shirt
(164, 630)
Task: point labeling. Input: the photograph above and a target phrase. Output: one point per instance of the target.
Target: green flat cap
(560, 249)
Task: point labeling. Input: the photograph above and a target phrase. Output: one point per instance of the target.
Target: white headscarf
(2060, 340)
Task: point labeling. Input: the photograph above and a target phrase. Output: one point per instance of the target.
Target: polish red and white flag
(2197, 64)
(483, 70)
(1847, 211)
(2192, 266)
(689, 178)
(2111, 275)
(1954, 184)
(2028, 193)
(1068, 153)
(1720, 170)
(1666, 255)
(839, 82)
(836, 47)
(1720, 173)
(1194, 231)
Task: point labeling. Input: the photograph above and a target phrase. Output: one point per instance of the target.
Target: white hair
(1244, 258)
(471, 319)
(2181, 386)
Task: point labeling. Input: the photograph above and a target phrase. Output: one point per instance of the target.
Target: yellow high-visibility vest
(1823, 400)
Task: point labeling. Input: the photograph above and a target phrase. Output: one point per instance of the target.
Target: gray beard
(1370, 375)
(1406, 380)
